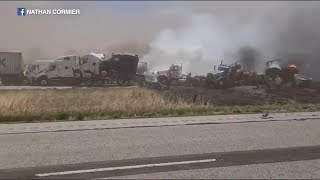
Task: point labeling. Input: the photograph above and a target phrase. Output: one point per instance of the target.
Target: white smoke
(214, 33)
(199, 44)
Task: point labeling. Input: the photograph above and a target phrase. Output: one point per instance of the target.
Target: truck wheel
(4, 81)
(43, 82)
(26, 82)
(131, 82)
(89, 82)
(104, 73)
(122, 82)
(195, 83)
(141, 84)
(163, 80)
(221, 84)
(77, 74)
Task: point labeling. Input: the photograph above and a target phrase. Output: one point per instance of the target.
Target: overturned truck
(228, 76)
(279, 73)
(225, 77)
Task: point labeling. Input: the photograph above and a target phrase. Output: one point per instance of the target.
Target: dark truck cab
(121, 68)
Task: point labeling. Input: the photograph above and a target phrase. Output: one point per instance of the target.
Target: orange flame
(292, 66)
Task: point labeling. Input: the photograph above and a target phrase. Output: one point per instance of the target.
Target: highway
(232, 146)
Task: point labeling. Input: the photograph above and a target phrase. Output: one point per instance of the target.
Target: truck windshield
(52, 67)
(175, 68)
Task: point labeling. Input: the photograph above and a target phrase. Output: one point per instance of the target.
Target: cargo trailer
(11, 68)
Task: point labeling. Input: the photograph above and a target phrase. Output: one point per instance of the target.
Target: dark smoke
(129, 47)
(298, 42)
(253, 32)
(248, 58)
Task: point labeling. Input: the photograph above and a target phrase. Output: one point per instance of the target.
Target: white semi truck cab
(69, 68)
(173, 74)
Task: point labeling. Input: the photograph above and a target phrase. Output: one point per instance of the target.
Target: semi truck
(62, 70)
(71, 70)
(225, 77)
(120, 68)
(172, 76)
(32, 70)
(90, 69)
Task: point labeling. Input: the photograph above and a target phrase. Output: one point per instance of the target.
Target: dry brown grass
(80, 104)
(84, 102)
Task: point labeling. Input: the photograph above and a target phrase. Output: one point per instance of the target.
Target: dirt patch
(243, 95)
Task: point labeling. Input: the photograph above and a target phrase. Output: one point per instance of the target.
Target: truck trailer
(11, 68)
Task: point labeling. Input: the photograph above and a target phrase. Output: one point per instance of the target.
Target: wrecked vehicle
(302, 81)
(252, 79)
(197, 81)
(90, 69)
(121, 67)
(225, 77)
(173, 76)
(54, 72)
(279, 73)
(64, 70)
(32, 71)
(150, 80)
(142, 68)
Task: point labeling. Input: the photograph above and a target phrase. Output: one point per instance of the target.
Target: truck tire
(26, 82)
(78, 74)
(104, 73)
(43, 81)
(122, 82)
(195, 82)
(163, 80)
(4, 81)
(89, 82)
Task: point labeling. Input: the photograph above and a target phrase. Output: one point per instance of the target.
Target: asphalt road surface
(236, 146)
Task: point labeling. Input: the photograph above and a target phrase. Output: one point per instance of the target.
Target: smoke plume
(251, 32)
(248, 58)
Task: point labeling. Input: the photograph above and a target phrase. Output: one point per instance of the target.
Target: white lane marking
(123, 167)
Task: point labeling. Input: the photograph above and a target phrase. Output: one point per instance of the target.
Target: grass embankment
(84, 104)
